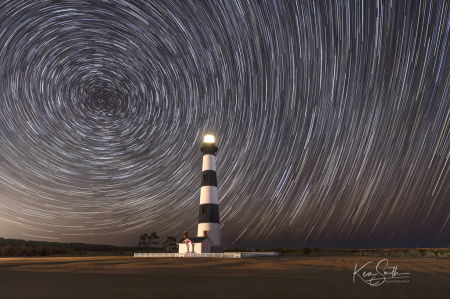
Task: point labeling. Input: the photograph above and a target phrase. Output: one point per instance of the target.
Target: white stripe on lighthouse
(209, 162)
(208, 194)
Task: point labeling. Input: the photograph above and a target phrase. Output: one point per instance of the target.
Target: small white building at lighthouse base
(194, 245)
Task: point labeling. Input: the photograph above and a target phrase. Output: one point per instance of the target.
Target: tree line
(146, 242)
(71, 246)
(411, 252)
(17, 247)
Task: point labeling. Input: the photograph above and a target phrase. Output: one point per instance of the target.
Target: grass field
(267, 277)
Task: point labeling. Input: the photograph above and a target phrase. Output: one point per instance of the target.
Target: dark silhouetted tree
(170, 243)
(279, 250)
(143, 242)
(152, 239)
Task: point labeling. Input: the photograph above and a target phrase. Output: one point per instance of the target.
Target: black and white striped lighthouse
(208, 219)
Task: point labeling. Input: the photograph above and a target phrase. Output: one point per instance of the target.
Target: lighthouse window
(203, 209)
(205, 178)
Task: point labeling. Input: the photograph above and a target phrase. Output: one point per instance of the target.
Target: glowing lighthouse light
(209, 139)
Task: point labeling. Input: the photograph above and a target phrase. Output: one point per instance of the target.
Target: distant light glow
(209, 139)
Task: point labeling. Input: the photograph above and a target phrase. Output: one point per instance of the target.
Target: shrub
(429, 253)
(279, 250)
(306, 250)
(236, 250)
(413, 253)
(396, 253)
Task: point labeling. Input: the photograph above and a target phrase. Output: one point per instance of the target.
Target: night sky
(332, 120)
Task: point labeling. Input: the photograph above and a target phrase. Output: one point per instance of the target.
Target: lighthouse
(208, 219)
(208, 233)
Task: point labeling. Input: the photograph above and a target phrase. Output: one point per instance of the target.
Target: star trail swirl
(332, 120)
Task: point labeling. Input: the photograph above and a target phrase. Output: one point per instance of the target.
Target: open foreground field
(267, 277)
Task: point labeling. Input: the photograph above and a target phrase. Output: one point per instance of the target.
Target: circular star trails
(332, 119)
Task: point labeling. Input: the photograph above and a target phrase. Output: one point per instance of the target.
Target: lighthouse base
(213, 231)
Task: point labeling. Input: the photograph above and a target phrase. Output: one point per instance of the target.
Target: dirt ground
(265, 277)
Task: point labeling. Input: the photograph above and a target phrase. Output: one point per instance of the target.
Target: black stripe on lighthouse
(209, 178)
(208, 213)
